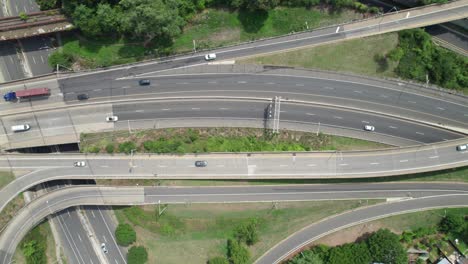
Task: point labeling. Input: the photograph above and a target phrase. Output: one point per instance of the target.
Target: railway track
(32, 20)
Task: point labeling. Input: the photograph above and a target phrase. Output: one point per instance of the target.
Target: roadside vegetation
(38, 246)
(202, 140)
(114, 32)
(433, 231)
(408, 54)
(126, 236)
(196, 233)
(10, 210)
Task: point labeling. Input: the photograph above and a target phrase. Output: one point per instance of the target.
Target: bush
(452, 223)
(218, 260)
(110, 148)
(93, 149)
(137, 255)
(306, 257)
(247, 232)
(236, 252)
(60, 58)
(125, 235)
(127, 147)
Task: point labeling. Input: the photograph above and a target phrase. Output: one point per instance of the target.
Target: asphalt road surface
(444, 195)
(37, 51)
(64, 126)
(324, 165)
(392, 101)
(10, 64)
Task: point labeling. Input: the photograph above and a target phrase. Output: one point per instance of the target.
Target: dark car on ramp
(201, 163)
(82, 97)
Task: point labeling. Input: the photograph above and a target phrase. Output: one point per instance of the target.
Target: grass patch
(101, 52)
(362, 56)
(5, 178)
(217, 27)
(203, 140)
(10, 210)
(193, 233)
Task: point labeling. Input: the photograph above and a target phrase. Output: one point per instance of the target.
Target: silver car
(79, 163)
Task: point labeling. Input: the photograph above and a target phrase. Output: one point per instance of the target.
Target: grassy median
(193, 233)
(204, 140)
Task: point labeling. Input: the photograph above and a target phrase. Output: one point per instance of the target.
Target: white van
(20, 128)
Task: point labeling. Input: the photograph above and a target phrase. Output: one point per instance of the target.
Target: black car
(144, 82)
(201, 163)
(82, 96)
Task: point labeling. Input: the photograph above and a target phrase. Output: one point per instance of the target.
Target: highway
(414, 196)
(65, 126)
(321, 165)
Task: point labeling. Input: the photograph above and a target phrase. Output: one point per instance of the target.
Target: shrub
(125, 235)
(60, 58)
(236, 252)
(247, 232)
(137, 255)
(93, 149)
(110, 148)
(127, 147)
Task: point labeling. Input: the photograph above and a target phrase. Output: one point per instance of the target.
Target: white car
(462, 147)
(104, 248)
(369, 128)
(211, 56)
(79, 163)
(112, 118)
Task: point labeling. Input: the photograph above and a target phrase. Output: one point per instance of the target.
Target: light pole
(131, 159)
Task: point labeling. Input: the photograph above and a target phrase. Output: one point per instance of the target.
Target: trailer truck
(22, 94)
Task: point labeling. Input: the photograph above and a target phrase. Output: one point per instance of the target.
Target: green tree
(137, 255)
(85, 19)
(236, 252)
(218, 260)
(384, 246)
(47, 4)
(247, 232)
(108, 18)
(125, 235)
(151, 19)
(452, 223)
